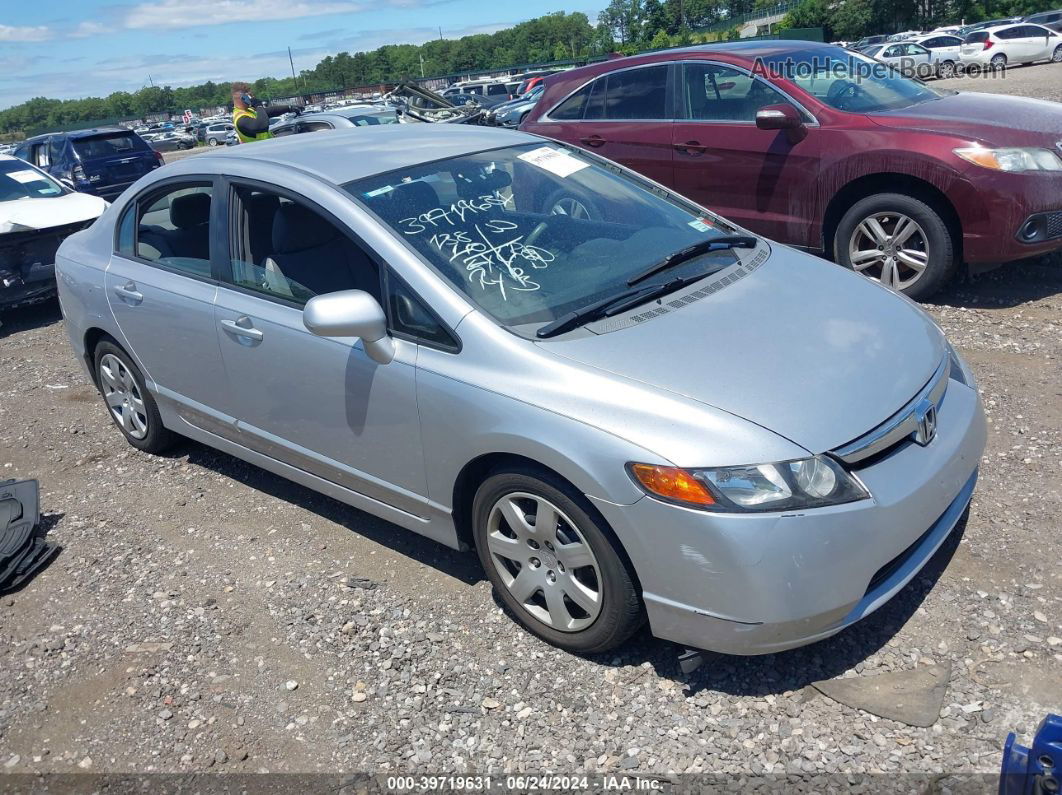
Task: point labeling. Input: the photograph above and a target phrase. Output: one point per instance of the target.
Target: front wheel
(946, 70)
(212, 142)
(574, 205)
(899, 241)
(552, 563)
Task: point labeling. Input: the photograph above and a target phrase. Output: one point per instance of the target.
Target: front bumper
(762, 583)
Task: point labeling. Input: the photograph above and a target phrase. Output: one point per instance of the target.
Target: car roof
(354, 153)
(80, 133)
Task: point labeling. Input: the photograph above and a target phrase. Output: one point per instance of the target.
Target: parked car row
(809, 145)
(942, 54)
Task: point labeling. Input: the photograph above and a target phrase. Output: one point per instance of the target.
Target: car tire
(571, 203)
(544, 606)
(137, 417)
(212, 142)
(1056, 56)
(999, 61)
(946, 69)
(929, 243)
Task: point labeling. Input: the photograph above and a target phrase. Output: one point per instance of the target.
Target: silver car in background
(651, 417)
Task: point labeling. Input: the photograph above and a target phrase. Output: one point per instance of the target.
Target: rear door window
(572, 108)
(107, 144)
(173, 228)
(637, 94)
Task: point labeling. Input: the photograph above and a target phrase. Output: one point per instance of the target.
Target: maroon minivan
(826, 150)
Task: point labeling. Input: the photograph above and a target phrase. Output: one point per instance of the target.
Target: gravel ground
(1039, 81)
(206, 615)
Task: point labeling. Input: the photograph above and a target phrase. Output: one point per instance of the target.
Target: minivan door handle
(593, 140)
(128, 292)
(692, 148)
(242, 326)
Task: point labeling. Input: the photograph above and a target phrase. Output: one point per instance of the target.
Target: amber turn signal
(671, 483)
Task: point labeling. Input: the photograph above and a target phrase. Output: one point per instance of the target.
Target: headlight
(788, 485)
(1011, 159)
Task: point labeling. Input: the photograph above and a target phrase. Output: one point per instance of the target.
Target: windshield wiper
(688, 253)
(615, 304)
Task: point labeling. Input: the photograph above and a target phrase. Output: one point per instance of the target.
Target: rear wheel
(999, 61)
(212, 142)
(946, 69)
(552, 563)
(130, 405)
(898, 240)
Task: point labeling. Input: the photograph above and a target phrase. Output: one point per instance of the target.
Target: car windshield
(19, 180)
(848, 81)
(532, 232)
(118, 143)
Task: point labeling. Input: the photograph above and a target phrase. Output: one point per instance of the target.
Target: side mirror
(68, 182)
(782, 117)
(351, 313)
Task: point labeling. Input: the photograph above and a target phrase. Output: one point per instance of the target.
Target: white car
(1006, 45)
(910, 58)
(944, 51)
(36, 214)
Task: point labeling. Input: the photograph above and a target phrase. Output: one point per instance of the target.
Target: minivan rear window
(977, 37)
(117, 143)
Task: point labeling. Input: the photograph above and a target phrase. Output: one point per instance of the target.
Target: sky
(77, 48)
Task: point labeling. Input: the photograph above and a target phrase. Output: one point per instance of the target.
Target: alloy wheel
(890, 247)
(1056, 56)
(123, 397)
(544, 561)
(947, 69)
(570, 206)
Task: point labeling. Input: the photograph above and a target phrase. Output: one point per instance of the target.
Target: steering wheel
(535, 234)
(840, 92)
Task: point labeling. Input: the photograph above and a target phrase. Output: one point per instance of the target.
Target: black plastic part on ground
(23, 548)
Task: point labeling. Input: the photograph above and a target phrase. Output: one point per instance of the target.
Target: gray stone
(913, 697)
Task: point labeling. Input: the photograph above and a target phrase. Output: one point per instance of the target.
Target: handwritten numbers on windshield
(490, 249)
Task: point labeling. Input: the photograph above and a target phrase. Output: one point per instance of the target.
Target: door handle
(593, 140)
(692, 148)
(242, 327)
(128, 292)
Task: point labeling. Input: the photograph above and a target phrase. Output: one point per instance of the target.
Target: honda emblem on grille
(925, 414)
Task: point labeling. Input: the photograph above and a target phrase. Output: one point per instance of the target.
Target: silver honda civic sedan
(631, 409)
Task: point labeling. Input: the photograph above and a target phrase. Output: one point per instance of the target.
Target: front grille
(890, 568)
(21, 251)
(1053, 225)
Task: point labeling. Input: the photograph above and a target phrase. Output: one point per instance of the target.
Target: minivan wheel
(129, 403)
(552, 563)
(899, 241)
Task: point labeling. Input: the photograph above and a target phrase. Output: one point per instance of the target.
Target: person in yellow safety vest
(250, 118)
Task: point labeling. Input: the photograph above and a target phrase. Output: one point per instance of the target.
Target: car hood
(801, 347)
(43, 213)
(990, 118)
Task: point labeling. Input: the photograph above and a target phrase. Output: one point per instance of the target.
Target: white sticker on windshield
(701, 225)
(554, 161)
(25, 176)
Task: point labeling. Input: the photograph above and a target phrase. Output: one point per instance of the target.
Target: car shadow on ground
(27, 318)
(1009, 285)
(463, 566)
(736, 675)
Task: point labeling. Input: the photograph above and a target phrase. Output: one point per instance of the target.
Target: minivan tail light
(988, 44)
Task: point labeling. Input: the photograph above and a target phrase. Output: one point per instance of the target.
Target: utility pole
(422, 65)
(440, 33)
(150, 82)
(291, 61)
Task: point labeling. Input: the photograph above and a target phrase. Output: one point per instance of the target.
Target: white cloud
(25, 33)
(194, 13)
(88, 29)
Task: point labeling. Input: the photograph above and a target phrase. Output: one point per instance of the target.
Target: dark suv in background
(103, 161)
(825, 149)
